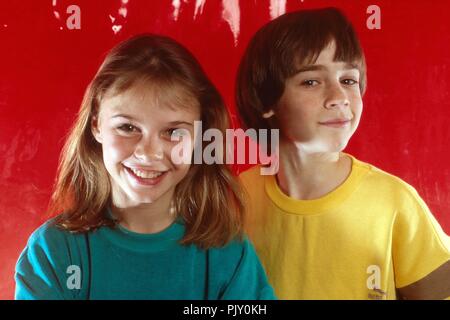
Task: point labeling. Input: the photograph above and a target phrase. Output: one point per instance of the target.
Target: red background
(44, 72)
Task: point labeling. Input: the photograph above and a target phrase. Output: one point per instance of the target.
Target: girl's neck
(307, 176)
(145, 217)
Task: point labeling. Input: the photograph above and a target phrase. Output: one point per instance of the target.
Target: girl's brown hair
(208, 199)
(280, 47)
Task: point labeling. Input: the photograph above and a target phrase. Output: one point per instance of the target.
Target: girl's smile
(135, 128)
(145, 177)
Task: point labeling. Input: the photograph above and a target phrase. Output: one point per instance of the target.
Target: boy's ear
(268, 114)
(95, 129)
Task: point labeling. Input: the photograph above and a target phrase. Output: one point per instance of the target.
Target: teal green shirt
(115, 263)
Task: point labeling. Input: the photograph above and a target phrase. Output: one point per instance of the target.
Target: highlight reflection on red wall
(45, 68)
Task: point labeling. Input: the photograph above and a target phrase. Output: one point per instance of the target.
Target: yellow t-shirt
(369, 237)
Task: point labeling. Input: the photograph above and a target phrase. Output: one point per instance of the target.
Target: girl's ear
(95, 129)
(268, 114)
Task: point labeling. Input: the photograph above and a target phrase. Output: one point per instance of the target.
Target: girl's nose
(149, 150)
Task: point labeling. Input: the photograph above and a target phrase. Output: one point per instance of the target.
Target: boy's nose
(336, 97)
(149, 150)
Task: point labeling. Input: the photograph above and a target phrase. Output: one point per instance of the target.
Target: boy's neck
(307, 176)
(148, 217)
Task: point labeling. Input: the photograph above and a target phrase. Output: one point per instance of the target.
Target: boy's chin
(330, 148)
(337, 148)
(327, 146)
(337, 145)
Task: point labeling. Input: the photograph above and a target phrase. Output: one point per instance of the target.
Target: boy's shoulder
(371, 173)
(383, 181)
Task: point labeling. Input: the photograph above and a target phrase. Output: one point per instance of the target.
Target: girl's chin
(142, 197)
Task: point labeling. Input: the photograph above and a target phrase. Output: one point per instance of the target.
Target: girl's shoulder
(236, 253)
(47, 262)
(235, 246)
(239, 269)
(49, 231)
(51, 241)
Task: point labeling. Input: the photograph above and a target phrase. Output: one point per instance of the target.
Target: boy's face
(135, 129)
(321, 105)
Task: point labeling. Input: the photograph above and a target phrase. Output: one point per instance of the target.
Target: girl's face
(135, 129)
(321, 105)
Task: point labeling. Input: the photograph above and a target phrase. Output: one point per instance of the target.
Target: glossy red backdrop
(45, 68)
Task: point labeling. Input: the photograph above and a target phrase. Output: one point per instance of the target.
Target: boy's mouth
(335, 123)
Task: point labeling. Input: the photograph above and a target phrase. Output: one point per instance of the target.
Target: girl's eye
(128, 128)
(176, 132)
(310, 83)
(349, 82)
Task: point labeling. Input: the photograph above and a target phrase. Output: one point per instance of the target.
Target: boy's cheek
(357, 111)
(356, 98)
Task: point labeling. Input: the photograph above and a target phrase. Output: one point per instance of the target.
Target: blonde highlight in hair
(212, 210)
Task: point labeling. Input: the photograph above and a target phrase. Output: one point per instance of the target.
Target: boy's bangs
(347, 50)
(310, 32)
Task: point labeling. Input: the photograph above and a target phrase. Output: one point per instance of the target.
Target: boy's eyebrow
(311, 67)
(350, 66)
(320, 67)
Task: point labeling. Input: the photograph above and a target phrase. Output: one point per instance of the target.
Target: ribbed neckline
(321, 205)
(143, 242)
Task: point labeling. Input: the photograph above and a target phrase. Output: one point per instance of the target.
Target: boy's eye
(349, 82)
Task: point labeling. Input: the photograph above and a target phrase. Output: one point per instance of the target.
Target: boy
(329, 226)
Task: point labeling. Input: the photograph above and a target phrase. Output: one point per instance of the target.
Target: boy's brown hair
(283, 45)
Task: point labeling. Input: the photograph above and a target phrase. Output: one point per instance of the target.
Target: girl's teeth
(146, 174)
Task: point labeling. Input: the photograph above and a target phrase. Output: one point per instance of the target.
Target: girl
(135, 224)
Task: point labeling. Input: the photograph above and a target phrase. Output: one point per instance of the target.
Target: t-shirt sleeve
(44, 268)
(249, 280)
(421, 251)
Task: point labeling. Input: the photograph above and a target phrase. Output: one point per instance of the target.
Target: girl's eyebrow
(172, 123)
(123, 116)
(176, 123)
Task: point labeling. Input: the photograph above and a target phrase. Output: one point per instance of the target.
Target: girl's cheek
(118, 148)
(187, 152)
